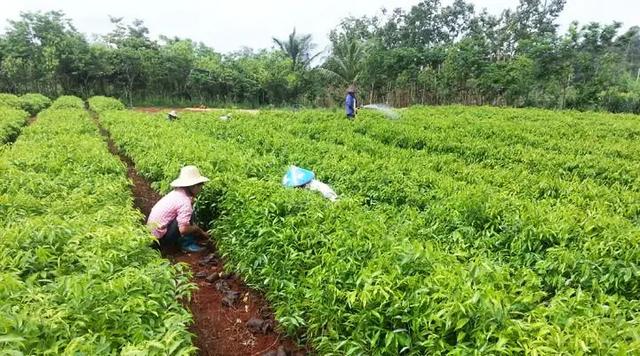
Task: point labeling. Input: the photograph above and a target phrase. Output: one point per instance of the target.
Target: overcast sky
(230, 25)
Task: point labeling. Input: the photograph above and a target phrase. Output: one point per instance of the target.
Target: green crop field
(458, 230)
(408, 178)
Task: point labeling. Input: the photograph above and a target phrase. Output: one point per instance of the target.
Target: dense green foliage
(68, 102)
(427, 54)
(77, 275)
(11, 122)
(34, 103)
(9, 101)
(458, 230)
(101, 104)
(31, 103)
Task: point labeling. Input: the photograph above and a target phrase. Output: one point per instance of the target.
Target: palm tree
(346, 63)
(298, 48)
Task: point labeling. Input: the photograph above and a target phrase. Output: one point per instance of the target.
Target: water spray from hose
(384, 109)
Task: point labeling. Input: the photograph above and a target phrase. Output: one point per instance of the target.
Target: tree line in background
(429, 54)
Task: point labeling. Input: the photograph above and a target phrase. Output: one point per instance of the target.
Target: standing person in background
(350, 102)
(172, 218)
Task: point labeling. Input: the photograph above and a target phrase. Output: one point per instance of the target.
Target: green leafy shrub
(68, 102)
(100, 104)
(34, 103)
(9, 100)
(11, 122)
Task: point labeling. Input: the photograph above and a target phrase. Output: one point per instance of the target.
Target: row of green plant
(68, 102)
(77, 274)
(11, 122)
(101, 104)
(526, 180)
(330, 128)
(599, 146)
(355, 278)
(31, 103)
(509, 214)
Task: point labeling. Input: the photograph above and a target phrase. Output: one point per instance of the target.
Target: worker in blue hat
(350, 102)
(304, 178)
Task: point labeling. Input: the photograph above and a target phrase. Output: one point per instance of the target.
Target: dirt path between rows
(229, 318)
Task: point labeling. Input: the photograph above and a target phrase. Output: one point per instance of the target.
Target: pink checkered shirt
(175, 205)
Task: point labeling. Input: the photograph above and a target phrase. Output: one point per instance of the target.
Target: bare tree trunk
(564, 92)
(371, 95)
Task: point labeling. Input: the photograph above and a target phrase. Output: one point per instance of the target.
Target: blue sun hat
(297, 176)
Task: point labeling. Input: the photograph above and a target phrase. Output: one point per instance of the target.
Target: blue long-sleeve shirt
(350, 104)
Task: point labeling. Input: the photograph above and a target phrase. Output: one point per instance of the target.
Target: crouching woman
(172, 218)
